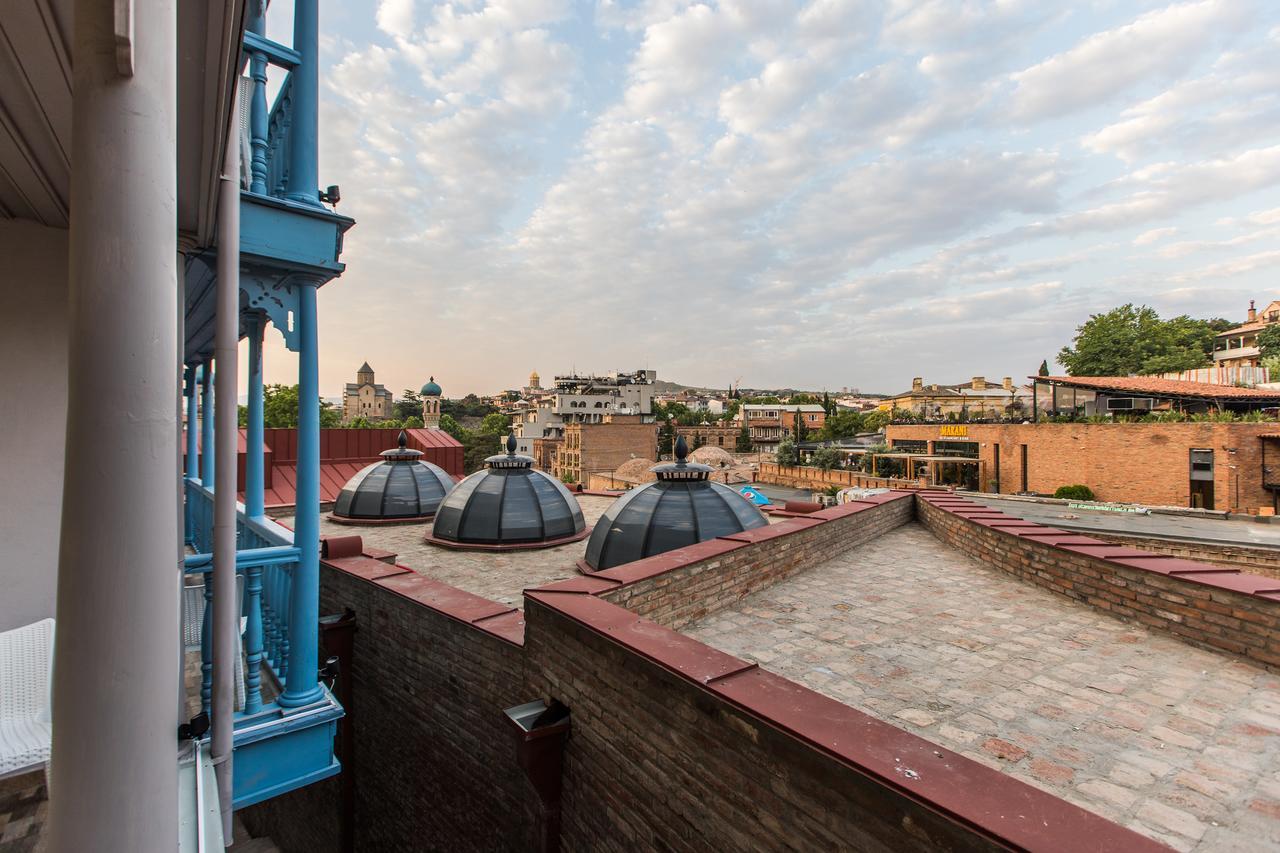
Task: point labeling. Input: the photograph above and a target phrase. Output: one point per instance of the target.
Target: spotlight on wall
(332, 195)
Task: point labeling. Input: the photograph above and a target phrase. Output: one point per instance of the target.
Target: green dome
(431, 389)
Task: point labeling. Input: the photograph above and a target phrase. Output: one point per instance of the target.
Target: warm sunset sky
(816, 194)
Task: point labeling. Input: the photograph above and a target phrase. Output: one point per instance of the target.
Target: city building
(593, 448)
(976, 399)
(365, 398)
(719, 434)
(1238, 347)
(584, 399)
(769, 423)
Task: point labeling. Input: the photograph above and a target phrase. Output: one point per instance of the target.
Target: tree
(875, 421)
(666, 438)
(280, 409)
(495, 423)
(787, 453)
(408, 406)
(742, 444)
(802, 430)
(731, 410)
(451, 426)
(841, 425)
(826, 458)
(1044, 367)
(359, 423)
(802, 399)
(827, 405)
(1134, 340)
(1269, 342)
(413, 422)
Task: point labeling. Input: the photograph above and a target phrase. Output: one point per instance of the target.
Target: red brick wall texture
(675, 745)
(1131, 462)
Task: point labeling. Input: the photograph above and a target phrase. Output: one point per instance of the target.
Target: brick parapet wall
(1258, 561)
(680, 587)
(807, 477)
(1209, 606)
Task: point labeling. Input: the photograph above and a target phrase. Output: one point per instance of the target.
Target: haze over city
(793, 193)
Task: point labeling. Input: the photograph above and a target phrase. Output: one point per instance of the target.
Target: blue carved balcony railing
(277, 749)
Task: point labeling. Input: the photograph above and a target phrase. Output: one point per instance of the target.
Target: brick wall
(711, 576)
(434, 762)
(1212, 607)
(1259, 561)
(1132, 462)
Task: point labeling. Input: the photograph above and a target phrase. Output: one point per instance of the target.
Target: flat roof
(1152, 386)
(1175, 742)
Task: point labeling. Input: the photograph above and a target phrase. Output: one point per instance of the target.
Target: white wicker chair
(26, 718)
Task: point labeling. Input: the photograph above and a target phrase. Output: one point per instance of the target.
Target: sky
(808, 194)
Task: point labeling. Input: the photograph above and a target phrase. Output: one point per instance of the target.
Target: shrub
(1074, 493)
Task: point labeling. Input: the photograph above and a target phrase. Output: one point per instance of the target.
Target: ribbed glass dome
(402, 487)
(509, 503)
(681, 508)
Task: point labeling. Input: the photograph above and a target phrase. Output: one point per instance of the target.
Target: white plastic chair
(26, 714)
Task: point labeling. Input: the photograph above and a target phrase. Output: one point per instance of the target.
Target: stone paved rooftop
(1177, 743)
(498, 576)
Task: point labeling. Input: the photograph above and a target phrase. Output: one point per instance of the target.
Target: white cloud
(1155, 235)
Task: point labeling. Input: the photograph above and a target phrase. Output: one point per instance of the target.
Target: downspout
(226, 618)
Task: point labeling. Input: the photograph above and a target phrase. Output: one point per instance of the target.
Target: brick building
(710, 435)
(591, 448)
(1208, 465)
(1238, 347)
(976, 398)
(769, 423)
(365, 398)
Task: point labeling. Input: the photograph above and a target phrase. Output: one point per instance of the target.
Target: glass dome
(508, 504)
(681, 508)
(402, 487)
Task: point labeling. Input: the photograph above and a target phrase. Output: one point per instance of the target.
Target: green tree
(787, 453)
(450, 425)
(280, 409)
(742, 444)
(666, 438)
(731, 410)
(826, 458)
(802, 429)
(408, 406)
(495, 423)
(1134, 340)
(802, 399)
(359, 423)
(478, 446)
(841, 425)
(413, 422)
(875, 421)
(827, 405)
(1269, 342)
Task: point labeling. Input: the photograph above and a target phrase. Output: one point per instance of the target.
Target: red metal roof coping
(661, 563)
(341, 546)
(773, 531)
(843, 510)
(507, 626)
(1156, 386)
(1203, 574)
(451, 601)
(366, 568)
(585, 585)
(997, 805)
(669, 649)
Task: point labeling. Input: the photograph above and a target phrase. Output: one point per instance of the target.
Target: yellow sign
(954, 431)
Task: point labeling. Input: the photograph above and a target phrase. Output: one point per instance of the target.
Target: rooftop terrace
(1178, 743)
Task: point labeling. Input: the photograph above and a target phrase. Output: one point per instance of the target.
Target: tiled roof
(1157, 387)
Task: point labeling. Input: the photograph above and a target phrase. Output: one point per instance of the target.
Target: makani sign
(954, 431)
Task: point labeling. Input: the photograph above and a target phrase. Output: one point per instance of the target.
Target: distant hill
(662, 386)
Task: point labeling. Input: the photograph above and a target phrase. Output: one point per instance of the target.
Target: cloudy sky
(815, 194)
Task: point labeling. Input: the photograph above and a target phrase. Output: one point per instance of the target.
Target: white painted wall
(33, 412)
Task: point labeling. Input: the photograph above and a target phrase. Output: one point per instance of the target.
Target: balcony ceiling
(36, 97)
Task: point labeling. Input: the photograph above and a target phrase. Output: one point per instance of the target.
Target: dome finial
(682, 450)
(511, 444)
(402, 439)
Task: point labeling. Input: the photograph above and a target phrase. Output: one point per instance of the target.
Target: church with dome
(365, 398)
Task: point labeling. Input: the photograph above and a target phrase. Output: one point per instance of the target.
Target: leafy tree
(742, 444)
(408, 406)
(280, 409)
(875, 421)
(450, 425)
(828, 405)
(802, 399)
(1044, 367)
(787, 453)
(666, 438)
(802, 429)
(1134, 340)
(495, 423)
(359, 423)
(841, 425)
(476, 447)
(1269, 342)
(731, 410)
(826, 458)
(469, 406)
(413, 422)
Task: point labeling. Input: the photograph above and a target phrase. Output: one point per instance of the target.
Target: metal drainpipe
(226, 619)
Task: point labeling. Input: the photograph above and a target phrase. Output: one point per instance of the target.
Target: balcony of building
(177, 248)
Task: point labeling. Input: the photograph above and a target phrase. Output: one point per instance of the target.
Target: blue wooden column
(206, 426)
(193, 447)
(253, 473)
(304, 168)
(302, 679)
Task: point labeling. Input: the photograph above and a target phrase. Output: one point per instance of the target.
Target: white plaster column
(115, 773)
